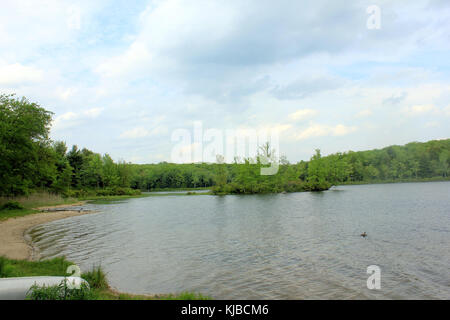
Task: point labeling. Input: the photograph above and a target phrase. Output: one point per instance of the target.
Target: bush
(11, 205)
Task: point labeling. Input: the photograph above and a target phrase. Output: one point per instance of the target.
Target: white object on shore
(17, 288)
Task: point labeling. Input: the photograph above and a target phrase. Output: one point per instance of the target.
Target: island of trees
(31, 161)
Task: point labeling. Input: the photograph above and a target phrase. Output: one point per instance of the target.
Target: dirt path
(12, 241)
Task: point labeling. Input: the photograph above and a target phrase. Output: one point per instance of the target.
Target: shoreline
(14, 242)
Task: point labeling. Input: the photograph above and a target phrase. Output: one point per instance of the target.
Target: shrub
(11, 205)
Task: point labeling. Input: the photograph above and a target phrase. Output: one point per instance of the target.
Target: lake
(278, 246)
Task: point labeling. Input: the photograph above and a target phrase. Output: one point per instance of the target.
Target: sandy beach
(13, 244)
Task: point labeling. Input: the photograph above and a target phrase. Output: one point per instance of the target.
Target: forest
(31, 161)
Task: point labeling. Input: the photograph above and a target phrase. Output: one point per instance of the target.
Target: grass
(6, 214)
(61, 292)
(47, 199)
(406, 180)
(38, 199)
(177, 189)
(110, 199)
(24, 268)
(29, 203)
(96, 278)
(98, 283)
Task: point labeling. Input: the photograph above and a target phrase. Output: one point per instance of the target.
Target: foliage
(26, 158)
(11, 205)
(38, 199)
(31, 161)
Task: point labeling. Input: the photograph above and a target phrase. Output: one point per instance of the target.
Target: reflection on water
(283, 246)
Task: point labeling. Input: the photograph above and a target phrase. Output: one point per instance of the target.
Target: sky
(121, 77)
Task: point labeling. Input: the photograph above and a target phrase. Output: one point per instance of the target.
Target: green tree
(24, 145)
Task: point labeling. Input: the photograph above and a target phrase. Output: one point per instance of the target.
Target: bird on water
(364, 234)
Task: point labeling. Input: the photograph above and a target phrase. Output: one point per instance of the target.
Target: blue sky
(120, 77)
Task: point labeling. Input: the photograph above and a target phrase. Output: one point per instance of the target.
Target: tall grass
(61, 292)
(3, 271)
(38, 199)
(96, 278)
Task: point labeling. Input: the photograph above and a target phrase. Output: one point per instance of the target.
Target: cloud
(419, 110)
(135, 133)
(141, 132)
(432, 124)
(306, 86)
(318, 130)
(136, 56)
(364, 113)
(229, 64)
(65, 93)
(70, 119)
(447, 110)
(303, 114)
(17, 73)
(396, 98)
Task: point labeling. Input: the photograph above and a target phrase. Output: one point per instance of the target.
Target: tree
(24, 145)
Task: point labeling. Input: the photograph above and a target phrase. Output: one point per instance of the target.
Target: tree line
(31, 161)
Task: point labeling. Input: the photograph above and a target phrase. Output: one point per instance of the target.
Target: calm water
(284, 246)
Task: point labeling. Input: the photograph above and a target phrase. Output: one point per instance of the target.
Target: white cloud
(16, 73)
(318, 130)
(74, 18)
(93, 113)
(364, 113)
(303, 114)
(418, 110)
(135, 133)
(447, 110)
(70, 119)
(133, 60)
(229, 64)
(432, 124)
(65, 93)
(141, 132)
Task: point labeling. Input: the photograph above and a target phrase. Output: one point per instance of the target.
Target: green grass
(61, 292)
(409, 180)
(96, 278)
(178, 189)
(111, 198)
(24, 268)
(189, 193)
(29, 203)
(98, 283)
(6, 214)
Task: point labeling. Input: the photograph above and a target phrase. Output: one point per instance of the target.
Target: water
(283, 246)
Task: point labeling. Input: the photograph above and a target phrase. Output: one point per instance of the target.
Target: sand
(13, 244)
